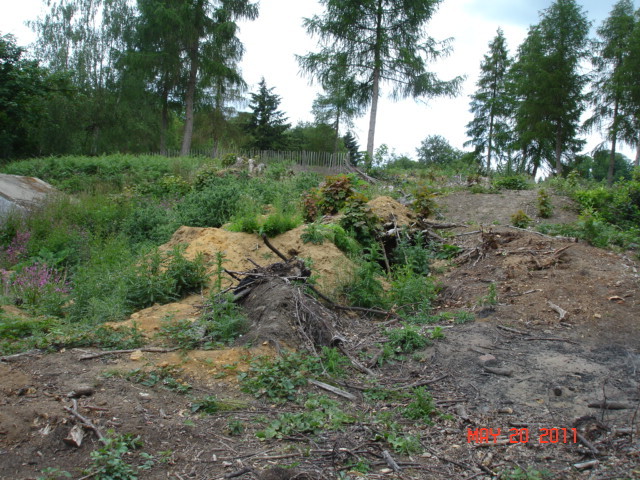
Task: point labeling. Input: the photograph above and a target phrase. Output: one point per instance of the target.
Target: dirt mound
(328, 263)
(390, 210)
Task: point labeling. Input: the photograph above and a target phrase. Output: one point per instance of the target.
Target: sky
(272, 41)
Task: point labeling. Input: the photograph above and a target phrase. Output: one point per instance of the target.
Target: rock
(487, 360)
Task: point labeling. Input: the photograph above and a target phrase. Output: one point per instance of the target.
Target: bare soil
(560, 317)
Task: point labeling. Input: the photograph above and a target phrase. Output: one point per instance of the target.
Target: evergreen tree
(267, 124)
(548, 85)
(491, 104)
(351, 144)
(608, 96)
(379, 41)
(630, 74)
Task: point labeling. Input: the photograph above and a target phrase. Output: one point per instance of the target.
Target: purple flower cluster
(16, 249)
(36, 281)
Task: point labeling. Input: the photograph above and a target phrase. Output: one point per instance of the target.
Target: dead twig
(85, 421)
(332, 389)
(272, 248)
(390, 461)
(11, 358)
(563, 313)
(115, 352)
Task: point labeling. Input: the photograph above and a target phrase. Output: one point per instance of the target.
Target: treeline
(528, 108)
(158, 75)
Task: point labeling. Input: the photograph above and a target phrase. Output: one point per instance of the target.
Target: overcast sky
(277, 35)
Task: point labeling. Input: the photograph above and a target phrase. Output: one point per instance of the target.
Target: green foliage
(278, 379)
(164, 277)
(210, 405)
(321, 414)
(166, 377)
(229, 159)
(491, 298)
(334, 362)
(359, 220)
(436, 150)
(518, 473)
(220, 322)
(491, 103)
(365, 288)
(514, 182)
(545, 207)
(211, 206)
(267, 123)
(109, 462)
(424, 204)
(406, 339)
(422, 408)
(412, 253)
(278, 223)
(411, 293)
(334, 193)
(520, 219)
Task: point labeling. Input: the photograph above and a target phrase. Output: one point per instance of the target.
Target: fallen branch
(390, 461)
(423, 383)
(272, 248)
(563, 313)
(239, 473)
(11, 358)
(505, 372)
(511, 330)
(607, 405)
(551, 339)
(115, 352)
(85, 421)
(332, 389)
(587, 443)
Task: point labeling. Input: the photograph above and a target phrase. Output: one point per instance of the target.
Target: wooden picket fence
(321, 162)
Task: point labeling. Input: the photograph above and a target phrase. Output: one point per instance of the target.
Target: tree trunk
(190, 101)
(335, 142)
(376, 83)
(374, 111)
(164, 126)
(558, 149)
(490, 144)
(612, 155)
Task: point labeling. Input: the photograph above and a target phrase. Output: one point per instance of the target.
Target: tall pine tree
(608, 87)
(549, 86)
(491, 103)
(381, 42)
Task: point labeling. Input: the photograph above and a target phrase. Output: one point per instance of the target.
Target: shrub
(165, 277)
(278, 223)
(406, 339)
(545, 207)
(365, 288)
(515, 182)
(211, 207)
(424, 204)
(411, 293)
(359, 220)
(520, 219)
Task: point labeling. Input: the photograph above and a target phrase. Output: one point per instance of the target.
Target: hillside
(533, 337)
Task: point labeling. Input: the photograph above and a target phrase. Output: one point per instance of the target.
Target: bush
(520, 219)
(212, 206)
(359, 220)
(424, 204)
(516, 182)
(545, 207)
